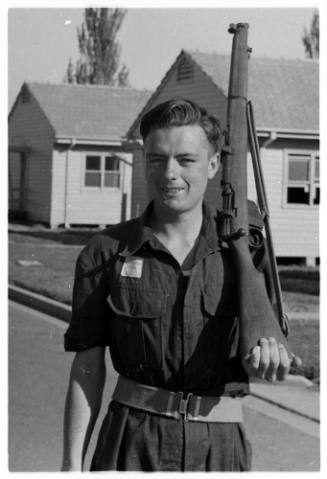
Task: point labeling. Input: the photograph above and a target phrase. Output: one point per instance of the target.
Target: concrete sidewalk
(295, 395)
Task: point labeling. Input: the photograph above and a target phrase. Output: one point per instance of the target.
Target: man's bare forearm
(82, 407)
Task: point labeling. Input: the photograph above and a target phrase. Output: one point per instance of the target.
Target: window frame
(311, 182)
(102, 171)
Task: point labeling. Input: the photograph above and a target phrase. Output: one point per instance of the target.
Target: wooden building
(285, 97)
(67, 162)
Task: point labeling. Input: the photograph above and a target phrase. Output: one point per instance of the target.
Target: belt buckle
(183, 405)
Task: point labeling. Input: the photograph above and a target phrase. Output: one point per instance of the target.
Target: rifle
(256, 313)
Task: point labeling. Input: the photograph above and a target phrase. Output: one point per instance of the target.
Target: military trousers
(135, 440)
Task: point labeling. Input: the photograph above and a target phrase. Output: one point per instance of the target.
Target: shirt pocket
(137, 324)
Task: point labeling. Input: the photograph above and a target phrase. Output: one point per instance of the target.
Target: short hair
(182, 112)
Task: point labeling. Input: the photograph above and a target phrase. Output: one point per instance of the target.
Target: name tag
(132, 267)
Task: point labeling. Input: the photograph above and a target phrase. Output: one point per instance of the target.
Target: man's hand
(269, 360)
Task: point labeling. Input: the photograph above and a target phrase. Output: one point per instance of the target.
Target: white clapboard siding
(295, 230)
(73, 203)
(29, 127)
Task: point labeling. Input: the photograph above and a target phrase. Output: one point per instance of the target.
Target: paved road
(38, 377)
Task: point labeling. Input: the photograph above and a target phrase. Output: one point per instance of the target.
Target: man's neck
(185, 224)
(178, 232)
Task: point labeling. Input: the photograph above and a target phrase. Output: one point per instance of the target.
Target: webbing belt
(173, 404)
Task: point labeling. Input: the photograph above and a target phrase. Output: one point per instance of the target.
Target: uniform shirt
(166, 326)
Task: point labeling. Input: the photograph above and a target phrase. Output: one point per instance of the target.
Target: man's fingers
(251, 361)
(254, 359)
(295, 360)
(274, 360)
(264, 357)
(284, 364)
(269, 360)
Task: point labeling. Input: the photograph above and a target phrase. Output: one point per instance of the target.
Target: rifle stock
(256, 314)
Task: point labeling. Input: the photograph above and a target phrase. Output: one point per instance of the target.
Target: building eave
(87, 141)
(288, 133)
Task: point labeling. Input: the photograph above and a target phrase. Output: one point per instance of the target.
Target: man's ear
(213, 166)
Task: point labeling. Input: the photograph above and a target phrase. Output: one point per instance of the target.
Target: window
(93, 171)
(184, 71)
(112, 173)
(302, 179)
(102, 171)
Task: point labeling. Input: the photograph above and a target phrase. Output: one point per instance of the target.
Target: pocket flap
(137, 302)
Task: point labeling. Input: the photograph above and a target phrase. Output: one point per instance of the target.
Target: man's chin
(173, 207)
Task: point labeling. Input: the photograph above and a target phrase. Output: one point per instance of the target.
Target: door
(17, 170)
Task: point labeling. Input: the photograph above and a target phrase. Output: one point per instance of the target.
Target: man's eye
(186, 160)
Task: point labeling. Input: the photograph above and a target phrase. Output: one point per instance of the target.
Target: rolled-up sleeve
(90, 311)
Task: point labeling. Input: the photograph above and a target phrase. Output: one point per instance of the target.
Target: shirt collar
(208, 238)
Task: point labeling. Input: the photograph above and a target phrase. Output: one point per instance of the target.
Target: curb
(39, 302)
(286, 408)
(292, 383)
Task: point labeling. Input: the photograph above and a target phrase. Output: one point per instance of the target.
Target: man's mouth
(172, 190)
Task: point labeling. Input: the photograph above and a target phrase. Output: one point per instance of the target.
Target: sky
(41, 40)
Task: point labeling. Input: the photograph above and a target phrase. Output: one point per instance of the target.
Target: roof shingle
(284, 92)
(89, 111)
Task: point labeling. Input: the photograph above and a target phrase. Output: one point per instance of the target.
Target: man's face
(179, 162)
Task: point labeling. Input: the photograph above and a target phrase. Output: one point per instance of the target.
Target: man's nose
(171, 170)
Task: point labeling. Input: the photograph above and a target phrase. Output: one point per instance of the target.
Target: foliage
(99, 50)
(310, 38)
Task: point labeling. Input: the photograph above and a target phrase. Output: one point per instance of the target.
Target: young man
(160, 291)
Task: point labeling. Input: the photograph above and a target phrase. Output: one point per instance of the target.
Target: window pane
(93, 162)
(92, 179)
(298, 170)
(316, 199)
(112, 180)
(112, 163)
(298, 195)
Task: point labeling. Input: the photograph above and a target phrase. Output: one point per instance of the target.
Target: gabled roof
(284, 92)
(92, 112)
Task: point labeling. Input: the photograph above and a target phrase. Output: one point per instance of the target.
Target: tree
(99, 50)
(310, 38)
(69, 78)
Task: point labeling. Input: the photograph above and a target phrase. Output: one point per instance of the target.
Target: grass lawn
(304, 342)
(57, 253)
(54, 278)
(300, 302)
